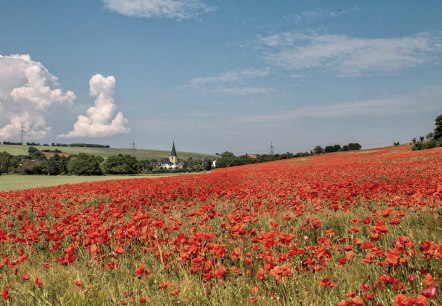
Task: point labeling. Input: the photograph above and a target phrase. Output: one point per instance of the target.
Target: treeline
(80, 145)
(76, 145)
(431, 140)
(86, 164)
(228, 159)
(352, 146)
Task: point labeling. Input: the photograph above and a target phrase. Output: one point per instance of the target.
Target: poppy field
(352, 228)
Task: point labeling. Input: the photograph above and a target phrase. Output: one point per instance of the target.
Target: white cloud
(349, 56)
(99, 122)
(174, 9)
(240, 91)
(27, 92)
(316, 14)
(427, 99)
(227, 82)
(228, 77)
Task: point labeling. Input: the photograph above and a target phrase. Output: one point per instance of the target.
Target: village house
(173, 162)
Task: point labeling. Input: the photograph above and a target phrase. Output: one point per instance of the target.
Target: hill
(140, 154)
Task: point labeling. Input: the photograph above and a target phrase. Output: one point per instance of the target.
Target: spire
(173, 153)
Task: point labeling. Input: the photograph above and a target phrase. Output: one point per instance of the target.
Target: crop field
(335, 229)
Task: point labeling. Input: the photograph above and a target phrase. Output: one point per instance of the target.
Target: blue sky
(220, 75)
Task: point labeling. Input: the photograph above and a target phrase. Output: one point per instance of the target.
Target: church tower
(173, 158)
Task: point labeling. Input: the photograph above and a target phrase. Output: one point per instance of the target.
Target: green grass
(20, 182)
(140, 154)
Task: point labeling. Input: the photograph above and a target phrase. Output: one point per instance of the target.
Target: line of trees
(78, 145)
(86, 164)
(431, 140)
(352, 146)
(228, 159)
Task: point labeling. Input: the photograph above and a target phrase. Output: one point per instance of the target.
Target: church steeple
(173, 153)
(173, 157)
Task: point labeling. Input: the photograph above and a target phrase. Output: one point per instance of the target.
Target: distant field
(20, 182)
(140, 154)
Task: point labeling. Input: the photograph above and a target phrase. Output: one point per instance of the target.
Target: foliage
(318, 150)
(85, 164)
(354, 146)
(88, 145)
(331, 149)
(146, 166)
(7, 161)
(346, 229)
(57, 165)
(438, 130)
(120, 164)
(80, 145)
(228, 159)
(29, 167)
(36, 154)
(197, 164)
(432, 140)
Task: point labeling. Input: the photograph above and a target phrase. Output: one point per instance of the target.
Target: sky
(217, 76)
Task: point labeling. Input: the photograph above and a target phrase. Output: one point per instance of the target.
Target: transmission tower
(133, 147)
(22, 133)
(271, 148)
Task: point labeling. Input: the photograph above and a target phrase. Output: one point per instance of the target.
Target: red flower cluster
(268, 223)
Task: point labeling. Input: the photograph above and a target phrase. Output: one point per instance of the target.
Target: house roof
(173, 153)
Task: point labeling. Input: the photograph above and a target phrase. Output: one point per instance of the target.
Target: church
(172, 162)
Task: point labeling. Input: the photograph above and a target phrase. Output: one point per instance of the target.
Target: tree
(29, 166)
(146, 165)
(438, 130)
(120, 164)
(354, 146)
(228, 159)
(6, 161)
(318, 150)
(54, 165)
(36, 154)
(207, 163)
(85, 164)
(331, 149)
(337, 148)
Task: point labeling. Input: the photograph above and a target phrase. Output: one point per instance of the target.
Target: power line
(271, 148)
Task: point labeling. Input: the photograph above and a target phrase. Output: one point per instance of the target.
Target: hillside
(140, 154)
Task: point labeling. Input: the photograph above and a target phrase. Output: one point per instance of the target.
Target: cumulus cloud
(173, 9)
(349, 56)
(99, 120)
(27, 93)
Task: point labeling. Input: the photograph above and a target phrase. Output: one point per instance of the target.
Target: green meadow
(20, 182)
